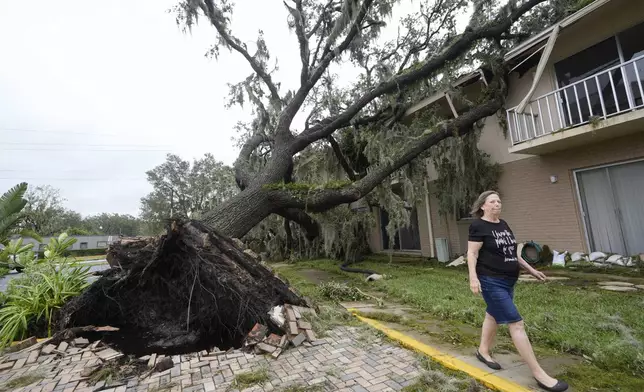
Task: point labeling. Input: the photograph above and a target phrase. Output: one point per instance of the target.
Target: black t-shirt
(498, 255)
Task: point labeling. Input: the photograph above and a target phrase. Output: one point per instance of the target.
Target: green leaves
(11, 204)
(43, 289)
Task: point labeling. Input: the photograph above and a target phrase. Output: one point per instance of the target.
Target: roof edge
(544, 34)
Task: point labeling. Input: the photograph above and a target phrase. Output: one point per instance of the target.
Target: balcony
(602, 106)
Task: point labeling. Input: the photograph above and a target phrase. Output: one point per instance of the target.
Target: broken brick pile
(296, 330)
(29, 352)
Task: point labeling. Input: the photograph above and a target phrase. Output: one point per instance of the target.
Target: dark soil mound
(195, 290)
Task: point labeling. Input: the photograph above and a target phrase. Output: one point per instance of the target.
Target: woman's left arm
(526, 266)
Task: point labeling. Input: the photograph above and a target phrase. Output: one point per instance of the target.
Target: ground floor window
(407, 238)
(612, 207)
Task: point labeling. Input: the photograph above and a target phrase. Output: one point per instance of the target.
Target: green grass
(435, 378)
(605, 327)
(245, 380)
(20, 382)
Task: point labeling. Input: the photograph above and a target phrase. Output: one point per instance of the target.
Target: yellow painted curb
(488, 379)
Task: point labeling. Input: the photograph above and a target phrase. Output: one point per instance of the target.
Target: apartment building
(572, 156)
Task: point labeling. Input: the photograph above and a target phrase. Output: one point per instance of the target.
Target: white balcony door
(611, 199)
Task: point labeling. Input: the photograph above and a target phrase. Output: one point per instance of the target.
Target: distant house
(83, 242)
(573, 161)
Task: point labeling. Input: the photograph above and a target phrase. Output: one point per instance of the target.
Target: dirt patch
(317, 276)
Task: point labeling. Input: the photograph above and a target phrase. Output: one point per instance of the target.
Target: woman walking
(494, 266)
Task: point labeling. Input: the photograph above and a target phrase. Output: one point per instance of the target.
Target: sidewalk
(514, 377)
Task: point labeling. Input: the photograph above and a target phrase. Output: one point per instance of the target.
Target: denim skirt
(498, 294)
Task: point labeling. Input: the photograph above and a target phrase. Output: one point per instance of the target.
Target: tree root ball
(193, 291)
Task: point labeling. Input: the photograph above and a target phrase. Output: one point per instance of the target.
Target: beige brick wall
(544, 212)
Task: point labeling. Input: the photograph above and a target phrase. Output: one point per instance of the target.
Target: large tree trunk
(186, 291)
(240, 214)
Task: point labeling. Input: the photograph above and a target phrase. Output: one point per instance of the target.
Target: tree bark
(241, 213)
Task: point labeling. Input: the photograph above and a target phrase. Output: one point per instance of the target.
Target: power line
(82, 144)
(69, 179)
(81, 150)
(63, 132)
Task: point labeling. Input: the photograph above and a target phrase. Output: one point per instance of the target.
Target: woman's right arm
(473, 249)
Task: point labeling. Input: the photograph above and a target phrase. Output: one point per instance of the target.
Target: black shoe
(490, 364)
(560, 386)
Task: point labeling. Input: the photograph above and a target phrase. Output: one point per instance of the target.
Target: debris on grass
(339, 292)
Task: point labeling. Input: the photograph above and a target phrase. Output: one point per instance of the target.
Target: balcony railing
(608, 93)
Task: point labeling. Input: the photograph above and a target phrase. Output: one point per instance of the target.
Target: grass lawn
(436, 377)
(605, 327)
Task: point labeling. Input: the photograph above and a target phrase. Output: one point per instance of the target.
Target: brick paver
(348, 358)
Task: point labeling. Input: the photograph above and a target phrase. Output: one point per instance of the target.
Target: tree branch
(343, 160)
(284, 136)
(242, 174)
(450, 52)
(319, 21)
(322, 200)
(298, 17)
(328, 55)
(215, 17)
(310, 226)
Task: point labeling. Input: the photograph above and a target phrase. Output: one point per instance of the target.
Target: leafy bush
(32, 300)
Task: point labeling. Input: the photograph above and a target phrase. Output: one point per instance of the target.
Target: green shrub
(32, 300)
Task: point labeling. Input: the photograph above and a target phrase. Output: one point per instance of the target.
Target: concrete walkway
(415, 332)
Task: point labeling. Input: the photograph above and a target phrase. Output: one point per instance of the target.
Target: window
(632, 47)
(582, 65)
(83, 245)
(101, 244)
(407, 238)
(581, 101)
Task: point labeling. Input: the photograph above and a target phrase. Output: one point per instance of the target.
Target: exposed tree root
(186, 291)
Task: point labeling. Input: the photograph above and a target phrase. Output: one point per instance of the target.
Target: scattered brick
(304, 324)
(290, 315)
(310, 335)
(108, 354)
(48, 349)
(266, 347)
(292, 328)
(62, 347)
(257, 334)
(81, 342)
(299, 339)
(273, 340)
(152, 361)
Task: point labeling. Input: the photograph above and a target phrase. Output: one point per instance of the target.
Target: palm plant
(11, 204)
(33, 299)
(16, 255)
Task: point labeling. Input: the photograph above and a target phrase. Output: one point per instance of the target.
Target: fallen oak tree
(192, 289)
(195, 291)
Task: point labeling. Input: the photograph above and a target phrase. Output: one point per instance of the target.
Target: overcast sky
(81, 79)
